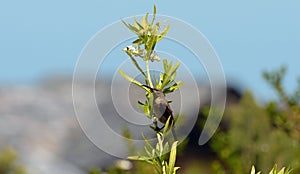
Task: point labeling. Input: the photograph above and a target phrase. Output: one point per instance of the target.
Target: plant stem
(148, 74)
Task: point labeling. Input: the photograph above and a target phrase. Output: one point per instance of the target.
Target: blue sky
(40, 38)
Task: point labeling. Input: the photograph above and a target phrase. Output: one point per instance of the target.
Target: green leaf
(252, 170)
(130, 27)
(274, 170)
(145, 108)
(172, 78)
(174, 69)
(167, 126)
(160, 139)
(145, 21)
(142, 105)
(161, 75)
(175, 169)
(154, 15)
(150, 45)
(173, 88)
(150, 99)
(169, 67)
(148, 145)
(167, 75)
(131, 79)
(141, 158)
(156, 81)
(136, 64)
(137, 24)
(165, 63)
(282, 171)
(148, 152)
(137, 41)
(172, 159)
(135, 157)
(166, 148)
(169, 72)
(147, 111)
(163, 33)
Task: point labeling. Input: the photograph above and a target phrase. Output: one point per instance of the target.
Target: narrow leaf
(172, 78)
(141, 104)
(145, 21)
(167, 126)
(173, 88)
(154, 15)
(130, 27)
(172, 159)
(176, 168)
(169, 73)
(148, 145)
(252, 170)
(138, 24)
(136, 64)
(165, 63)
(131, 79)
(137, 41)
(282, 171)
(163, 33)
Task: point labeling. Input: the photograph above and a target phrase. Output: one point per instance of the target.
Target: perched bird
(162, 109)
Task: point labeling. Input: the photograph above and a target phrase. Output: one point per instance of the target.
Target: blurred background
(41, 42)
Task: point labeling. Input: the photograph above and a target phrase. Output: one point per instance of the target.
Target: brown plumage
(162, 109)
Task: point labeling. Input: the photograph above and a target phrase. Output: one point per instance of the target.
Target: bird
(162, 109)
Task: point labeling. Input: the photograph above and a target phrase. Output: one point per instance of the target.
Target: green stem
(148, 74)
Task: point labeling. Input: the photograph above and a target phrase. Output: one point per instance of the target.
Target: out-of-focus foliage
(140, 167)
(8, 164)
(285, 115)
(260, 136)
(95, 171)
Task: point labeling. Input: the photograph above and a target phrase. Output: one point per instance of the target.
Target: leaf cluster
(149, 34)
(157, 155)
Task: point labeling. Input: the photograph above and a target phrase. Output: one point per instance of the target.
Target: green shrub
(260, 135)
